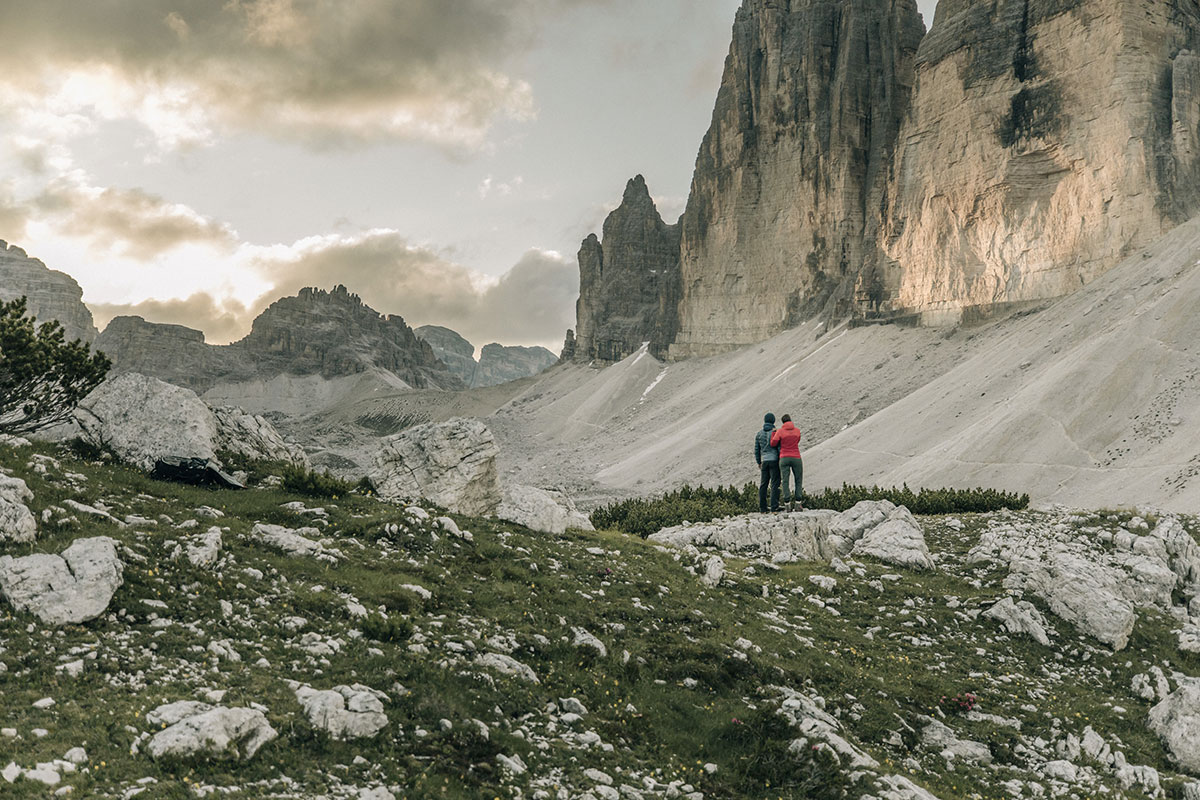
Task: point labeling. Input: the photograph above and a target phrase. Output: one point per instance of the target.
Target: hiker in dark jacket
(787, 439)
(767, 458)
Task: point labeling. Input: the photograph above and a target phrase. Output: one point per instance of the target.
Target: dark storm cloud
(324, 70)
(131, 222)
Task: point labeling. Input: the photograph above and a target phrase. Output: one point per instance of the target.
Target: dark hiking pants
(770, 475)
(794, 467)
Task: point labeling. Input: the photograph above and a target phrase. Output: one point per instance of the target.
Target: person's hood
(768, 427)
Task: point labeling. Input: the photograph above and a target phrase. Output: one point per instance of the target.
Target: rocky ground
(259, 644)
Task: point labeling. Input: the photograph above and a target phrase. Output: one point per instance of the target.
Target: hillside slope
(1091, 400)
(492, 662)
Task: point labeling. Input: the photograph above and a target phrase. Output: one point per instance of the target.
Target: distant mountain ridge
(497, 363)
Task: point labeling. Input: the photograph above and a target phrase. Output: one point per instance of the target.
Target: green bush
(762, 757)
(298, 480)
(379, 628)
(644, 516)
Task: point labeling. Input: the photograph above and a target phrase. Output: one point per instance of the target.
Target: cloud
(131, 222)
(222, 321)
(312, 70)
(532, 303)
(13, 215)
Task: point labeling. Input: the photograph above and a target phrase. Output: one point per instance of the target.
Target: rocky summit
(497, 363)
(329, 334)
(859, 168)
(50, 295)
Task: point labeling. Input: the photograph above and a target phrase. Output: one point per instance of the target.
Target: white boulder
(344, 712)
(17, 523)
(199, 729)
(293, 542)
(507, 665)
(542, 510)
(898, 539)
(452, 464)
(204, 550)
(1020, 618)
(1176, 720)
(142, 419)
(70, 588)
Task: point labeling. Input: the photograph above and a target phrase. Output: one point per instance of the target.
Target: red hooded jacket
(787, 439)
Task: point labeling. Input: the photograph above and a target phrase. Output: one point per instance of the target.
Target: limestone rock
(143, 419)
(876, 529)
(941, 739)
(70, 588)
(1176, 720)
(204, 550)
(790, 176)
(1020, 618)
(293, 542)
(507, 665)
(452, 464)
(17, 523)
(1091, 601)
(325, 333)
(49, 294)
(543, 510)
(629, 283)
(344, 712)
(199, 729)
(1045, 142)
(897, 540)
(500, 363)
(497, 363)
(253, 436)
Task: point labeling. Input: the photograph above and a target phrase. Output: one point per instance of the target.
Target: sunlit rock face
(50, 294)
(1047, 140)
(790, 176)
(628, 282)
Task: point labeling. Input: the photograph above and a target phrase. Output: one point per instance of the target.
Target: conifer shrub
(644, 516)
(309, 483)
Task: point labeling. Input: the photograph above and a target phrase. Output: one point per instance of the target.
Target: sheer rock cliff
(50, 294)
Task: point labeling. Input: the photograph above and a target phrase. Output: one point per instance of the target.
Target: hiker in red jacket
(787, 439)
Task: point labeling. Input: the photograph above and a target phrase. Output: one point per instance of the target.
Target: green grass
(674, 692)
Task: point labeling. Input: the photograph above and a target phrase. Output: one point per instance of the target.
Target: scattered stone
(941, 739)
(70, 588)
(585, 639)
(204, 550)
(294, 542)
(506, 665)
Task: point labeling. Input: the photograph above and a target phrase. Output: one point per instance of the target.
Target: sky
(191, 161)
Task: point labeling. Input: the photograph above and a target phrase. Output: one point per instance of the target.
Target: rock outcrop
(343, 712)
(497, 363)
(544, 510)
(1176, 720)
(877, 529)
(629, 282)
(330, 334)
(450, 463)
(16, 520)
(786, 195)
(143, 419)
(49, 294)
(1046, 141)
(65, 589)
(197, 729)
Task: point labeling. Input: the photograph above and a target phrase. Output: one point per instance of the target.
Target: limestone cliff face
(503, 363)
(628, 283)
(789, 179)
(50, 294)
(497, 363)
(1047, 139)
(331, 334)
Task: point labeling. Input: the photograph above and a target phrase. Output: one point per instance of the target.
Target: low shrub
(298, 480)
(644, 516)
(763, 757)
(391, 628)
